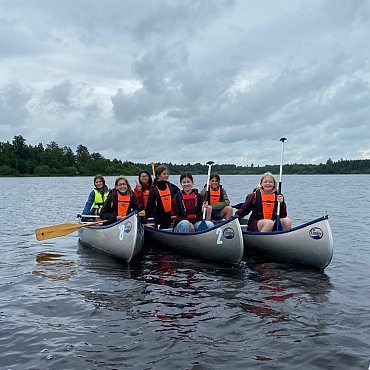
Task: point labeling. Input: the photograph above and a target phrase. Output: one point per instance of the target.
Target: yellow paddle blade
(54, 231)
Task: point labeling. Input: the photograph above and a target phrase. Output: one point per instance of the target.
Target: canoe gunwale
(102, 227)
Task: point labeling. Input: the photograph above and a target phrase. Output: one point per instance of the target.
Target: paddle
(54, 231)
(277, 225)
(152, 164)
(238, 206)
(203, 225)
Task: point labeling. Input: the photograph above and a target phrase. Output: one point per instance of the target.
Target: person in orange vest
(217, 199)
(142, 188)
(263, 203)
(160, 198)
(121, 202)
(188, 206)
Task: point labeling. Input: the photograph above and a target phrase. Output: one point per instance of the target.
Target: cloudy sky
(189, 80)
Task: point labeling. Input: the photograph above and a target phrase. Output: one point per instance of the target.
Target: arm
(149, 209)
(89, 204)
(175, 211)
(139, 195)
(107, 212)
(283, 208)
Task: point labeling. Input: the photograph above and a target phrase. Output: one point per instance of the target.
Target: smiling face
(99, 184)
(144, 178)
(268, 184)
(164, 175)
(187, 185)
(214, 183)
(122, 186)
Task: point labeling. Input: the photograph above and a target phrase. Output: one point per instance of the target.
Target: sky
(189, 81)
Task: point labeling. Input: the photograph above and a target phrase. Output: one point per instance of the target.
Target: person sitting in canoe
(263, 204)
(160, 198)
(97, 197)
(217, 198)
(121, 201)
(188, 206)
(142, 188)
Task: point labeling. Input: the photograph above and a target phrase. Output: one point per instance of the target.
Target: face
(122, 186)
(268, 184)
(144, 177)
(164, 175)
(214, 183)
(98, 184)
(186, 184)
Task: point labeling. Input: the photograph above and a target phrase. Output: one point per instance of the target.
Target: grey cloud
(13, 105)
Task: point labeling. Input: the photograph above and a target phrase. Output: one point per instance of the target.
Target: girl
(217, 198)
(142, 188)
(263, 204)
(160, 198)
(120, 202)
(97, 197)
(188, 206)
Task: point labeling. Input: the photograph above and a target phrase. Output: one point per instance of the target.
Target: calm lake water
(63, 306)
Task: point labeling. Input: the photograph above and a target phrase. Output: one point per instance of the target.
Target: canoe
(124, 239)
(309, 244)
(223, 242)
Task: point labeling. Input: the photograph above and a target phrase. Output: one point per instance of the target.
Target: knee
(183, 227)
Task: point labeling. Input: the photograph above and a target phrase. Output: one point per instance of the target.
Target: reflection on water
(53, 266)
(64, 306)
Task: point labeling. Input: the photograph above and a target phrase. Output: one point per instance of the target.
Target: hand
(280, 198)
(192, 228)
(138, 185)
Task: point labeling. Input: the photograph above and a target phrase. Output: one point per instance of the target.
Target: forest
(19, 159)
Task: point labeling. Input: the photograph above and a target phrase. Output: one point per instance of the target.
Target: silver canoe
(223, 242)
(309, 244)
(124, 239)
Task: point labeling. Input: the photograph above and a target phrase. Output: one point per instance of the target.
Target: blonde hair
(259, 186)
(118, 179)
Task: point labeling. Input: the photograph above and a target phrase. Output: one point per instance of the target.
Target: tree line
(19, 159)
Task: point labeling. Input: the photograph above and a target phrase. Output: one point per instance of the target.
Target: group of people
(187, 208)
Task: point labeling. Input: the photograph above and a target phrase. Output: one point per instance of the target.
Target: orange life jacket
(123, 203)
(145, 196)
(165, 198)
(266, 205)
(215, 196)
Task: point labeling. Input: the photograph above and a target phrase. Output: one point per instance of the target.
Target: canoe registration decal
(126, 228)
(229, 233)
(316, 233)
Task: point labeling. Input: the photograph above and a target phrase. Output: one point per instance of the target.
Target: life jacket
(215, 196)
(266, 205)
(145, 196)
(188, 205)
(100, 198)
(120, 203)
(164, 198)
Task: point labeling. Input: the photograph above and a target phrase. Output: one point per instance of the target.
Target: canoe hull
(124, 239)
(310, 244)
(224, 242)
